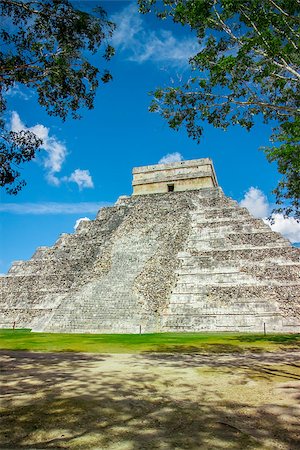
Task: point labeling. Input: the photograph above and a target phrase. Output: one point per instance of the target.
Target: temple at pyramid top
(174, 177)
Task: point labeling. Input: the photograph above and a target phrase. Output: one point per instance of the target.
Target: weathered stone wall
(183, 261)
(94, 280)
(235, 273)
(184, 176)
(187, 184)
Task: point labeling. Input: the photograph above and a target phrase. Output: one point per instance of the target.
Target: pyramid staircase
(178, 261)
(235, 274)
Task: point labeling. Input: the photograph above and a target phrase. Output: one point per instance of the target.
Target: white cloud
(17, 91)
(78, 221)
(82, 178)
(147, 45)
(56, 151)
(258, 205)
(53, 208)
(129, 24)
(170, 158)
(288, 227)
(256, 202)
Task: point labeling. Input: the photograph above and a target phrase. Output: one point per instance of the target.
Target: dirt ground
(150, 401)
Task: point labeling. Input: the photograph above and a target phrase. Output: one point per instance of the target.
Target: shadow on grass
(66, 401)
(201, 348)
(283, 339)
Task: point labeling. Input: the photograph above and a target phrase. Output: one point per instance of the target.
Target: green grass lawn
(157, 342)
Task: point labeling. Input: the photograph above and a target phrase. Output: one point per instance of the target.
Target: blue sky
(87, 163)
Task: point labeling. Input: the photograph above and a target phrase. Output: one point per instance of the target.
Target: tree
(45, 46)
(247, 65)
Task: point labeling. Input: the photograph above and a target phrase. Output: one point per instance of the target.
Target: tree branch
(285, 65)
(279, 8)
(265, 105)
(225, 27)
(21, 5)
(282, 32)
(247, 103)
(228, 30)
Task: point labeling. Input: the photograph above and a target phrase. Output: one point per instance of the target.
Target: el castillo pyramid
(177, 255)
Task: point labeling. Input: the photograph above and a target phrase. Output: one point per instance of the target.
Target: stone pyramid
(178, 255)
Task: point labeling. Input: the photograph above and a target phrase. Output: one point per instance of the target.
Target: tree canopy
(45, 45)
(247, 66)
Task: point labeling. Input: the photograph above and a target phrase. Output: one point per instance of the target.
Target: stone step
(222, 245)
(195, 266)
(243, 283)
(276, 254)
(256, 238)
(219, 211)
(236, 291)
(232, 223)
(213, 321)
(237, 274)
(257, 309)
(200, 232)
(118, 270)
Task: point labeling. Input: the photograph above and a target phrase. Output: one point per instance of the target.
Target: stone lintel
(171, 177)
(158, 167)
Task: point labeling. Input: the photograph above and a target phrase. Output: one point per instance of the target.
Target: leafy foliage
(15, 148)
(247, 65)
(44, 46)
(287, 156)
